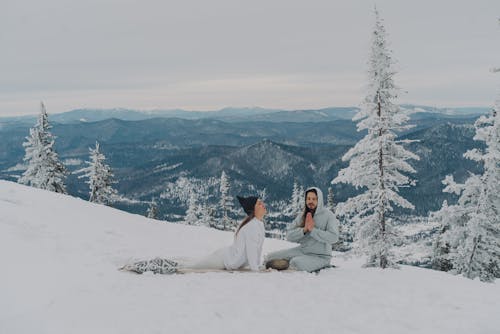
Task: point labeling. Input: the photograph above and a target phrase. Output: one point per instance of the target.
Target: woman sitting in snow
(245, 251)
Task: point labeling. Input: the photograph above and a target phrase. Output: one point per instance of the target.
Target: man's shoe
(278, 264)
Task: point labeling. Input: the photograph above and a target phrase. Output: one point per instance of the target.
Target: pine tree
(330, 200)
(377, 162)
(152, 211)
(469, 240)
(191, 217)
(345, 234)
(206, 214)
(225, 201)
(262, 194)
(449, 216)
(301, 203)
(100, 178)
(295, 201)
(44, 170)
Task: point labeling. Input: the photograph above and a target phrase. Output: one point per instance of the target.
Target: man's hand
(309, 223)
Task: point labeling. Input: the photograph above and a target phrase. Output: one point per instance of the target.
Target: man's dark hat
(248, 203)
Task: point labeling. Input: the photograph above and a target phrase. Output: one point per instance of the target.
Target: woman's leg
(214, 261)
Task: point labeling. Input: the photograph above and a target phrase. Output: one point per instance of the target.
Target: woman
(245, 250)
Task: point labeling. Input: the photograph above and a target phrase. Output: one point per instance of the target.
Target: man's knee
(304, 263)
(298, 263)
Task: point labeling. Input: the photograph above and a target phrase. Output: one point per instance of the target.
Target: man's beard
(312, 211)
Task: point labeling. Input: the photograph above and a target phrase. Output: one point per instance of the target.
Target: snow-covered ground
(59, 257)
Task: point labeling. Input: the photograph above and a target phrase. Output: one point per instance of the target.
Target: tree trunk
(381, 210)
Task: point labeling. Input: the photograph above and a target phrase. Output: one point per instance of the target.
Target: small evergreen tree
(206, 215)
(330, 200)
(301, 203)
(44, 169)
(345, 234)
(152, 211)
(100, 178)
(447, 216)
(191, 217)
(377, 163)
(262, 194)
(296, 200)
(226, 203)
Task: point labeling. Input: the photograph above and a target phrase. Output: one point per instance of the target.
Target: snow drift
(60, 256)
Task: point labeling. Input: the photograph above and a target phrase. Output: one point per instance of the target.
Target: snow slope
(60, 256)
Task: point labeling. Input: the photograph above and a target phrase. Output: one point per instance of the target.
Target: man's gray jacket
(325, 232)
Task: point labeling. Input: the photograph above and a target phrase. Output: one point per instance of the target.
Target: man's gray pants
(300, 261)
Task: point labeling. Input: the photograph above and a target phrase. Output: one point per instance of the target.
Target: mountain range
(231, 114)
(148, 155)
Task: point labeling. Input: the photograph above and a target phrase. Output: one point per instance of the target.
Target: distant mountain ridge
(232, 114)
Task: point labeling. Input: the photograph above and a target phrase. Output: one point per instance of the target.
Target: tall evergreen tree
(100, 178)
(44, 169)
(226, 203)
(378, 162)
(469, 242)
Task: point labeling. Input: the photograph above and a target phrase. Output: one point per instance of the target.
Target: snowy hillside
(60, 256)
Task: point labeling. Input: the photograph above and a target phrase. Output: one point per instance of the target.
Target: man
(316, 229)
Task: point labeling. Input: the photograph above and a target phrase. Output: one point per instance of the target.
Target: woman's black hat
(248, 203)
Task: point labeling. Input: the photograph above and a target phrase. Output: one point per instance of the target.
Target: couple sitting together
(316, 229)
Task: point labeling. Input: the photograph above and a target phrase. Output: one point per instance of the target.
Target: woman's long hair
(306, 209)
(244, 222)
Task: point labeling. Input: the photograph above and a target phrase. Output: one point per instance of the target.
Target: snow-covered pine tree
(100, 178)
(330, 200)
(345, 234)
(206, 213)
(377, 162)
(469, 241)
(262, 194)
(192, 211)
(152, 211)
(295, 200)
(448, 216)
(225, 201)
(44, 169)
(300, 199)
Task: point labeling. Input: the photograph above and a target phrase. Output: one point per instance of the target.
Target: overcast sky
(210, 54)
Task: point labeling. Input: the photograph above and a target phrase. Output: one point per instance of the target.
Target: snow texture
(60, 257)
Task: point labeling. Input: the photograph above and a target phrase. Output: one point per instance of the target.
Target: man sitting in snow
(316, 229)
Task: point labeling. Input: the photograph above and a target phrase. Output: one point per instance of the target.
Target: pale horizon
(204, 56)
